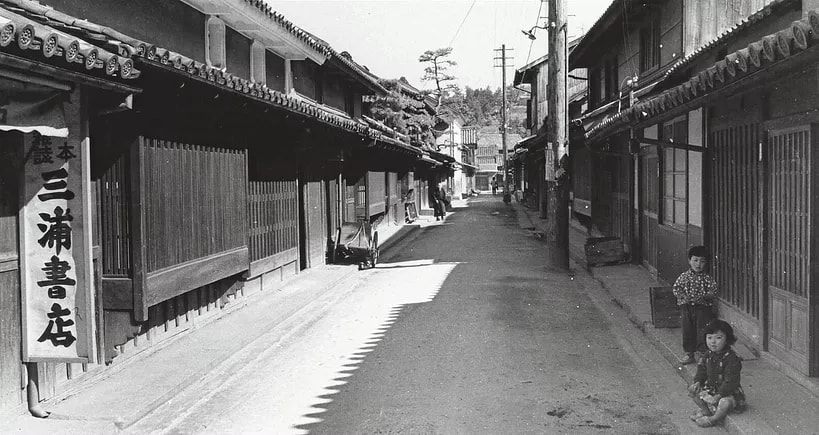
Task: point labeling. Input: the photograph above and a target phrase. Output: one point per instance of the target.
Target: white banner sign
(55, 281)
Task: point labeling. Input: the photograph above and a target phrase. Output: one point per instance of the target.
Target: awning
(441, 157)
(531, 143)
(425, 158)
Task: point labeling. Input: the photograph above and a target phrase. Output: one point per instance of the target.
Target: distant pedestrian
(695, 291)
(494, 186)
(716, 389)
(438, 206)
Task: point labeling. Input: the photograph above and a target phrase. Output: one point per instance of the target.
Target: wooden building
(715, 132)
(219, 155)
(529, 153)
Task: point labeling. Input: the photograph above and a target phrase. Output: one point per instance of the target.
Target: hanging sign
(54, 252)
(549, 164)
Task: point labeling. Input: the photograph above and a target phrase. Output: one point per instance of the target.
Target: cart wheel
(374, 250)
(361, 266)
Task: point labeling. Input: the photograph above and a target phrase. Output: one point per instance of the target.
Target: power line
(462, 23)
(532, 41)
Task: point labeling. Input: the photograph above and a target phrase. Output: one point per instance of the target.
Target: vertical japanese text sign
(56, 282)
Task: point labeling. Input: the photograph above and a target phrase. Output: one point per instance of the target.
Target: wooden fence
(735, 213)
(113, 196)
(195, 201)
(274, 224)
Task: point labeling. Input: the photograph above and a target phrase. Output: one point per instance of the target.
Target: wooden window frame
(650, 44)
(666, 192)
(612, 79)
(595, 99)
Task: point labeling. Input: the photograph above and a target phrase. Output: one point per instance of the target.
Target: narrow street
(460, 330)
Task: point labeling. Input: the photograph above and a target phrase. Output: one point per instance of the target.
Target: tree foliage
(436, 71)
(404, 114)
(482, 107)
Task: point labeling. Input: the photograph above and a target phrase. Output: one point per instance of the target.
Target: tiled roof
(129, 49)
(50, 44)
(757, 16)
(496, 139)
(757, 56)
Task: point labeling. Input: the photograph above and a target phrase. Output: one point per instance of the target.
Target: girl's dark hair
(697, 251)
(715, 326)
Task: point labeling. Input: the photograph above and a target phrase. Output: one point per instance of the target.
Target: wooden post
(557, 229)
(503, 121)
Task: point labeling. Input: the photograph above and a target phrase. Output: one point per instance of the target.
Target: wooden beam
(32, 68)
(138, 237)
(668, 144)
(166, 283)
(273, 262)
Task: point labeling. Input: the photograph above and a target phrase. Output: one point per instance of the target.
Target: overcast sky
(387, 36)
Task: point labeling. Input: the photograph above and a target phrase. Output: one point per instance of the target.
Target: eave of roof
(441, 157)
(608, 18)
(57, 47)
(132, 51)
(746, 23)
(760, 55)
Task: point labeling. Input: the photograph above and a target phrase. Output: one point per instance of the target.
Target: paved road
(461, 330)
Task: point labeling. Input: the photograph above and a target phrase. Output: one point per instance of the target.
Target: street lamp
(531, 32)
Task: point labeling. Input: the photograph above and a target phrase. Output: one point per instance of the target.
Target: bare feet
(704, 421)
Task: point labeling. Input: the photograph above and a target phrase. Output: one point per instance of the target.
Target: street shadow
(393, 289)
(426, 298)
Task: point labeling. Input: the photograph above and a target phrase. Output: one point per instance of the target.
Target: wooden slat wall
(376, 192)
(332, 208)
(113, 194)
(196, 201)
(315, 210)
(649, 197)
(274, 217)
(734, 203)
(393, 198)
(620, 208)
(789, 168)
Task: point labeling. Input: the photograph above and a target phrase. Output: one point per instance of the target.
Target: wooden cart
(357, 242)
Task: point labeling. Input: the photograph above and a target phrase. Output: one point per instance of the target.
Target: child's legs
(703, 315)
(725, 405)
(701, 404)
(689, 328)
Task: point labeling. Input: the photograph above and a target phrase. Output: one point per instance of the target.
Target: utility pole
(503, 58)
(557, 225)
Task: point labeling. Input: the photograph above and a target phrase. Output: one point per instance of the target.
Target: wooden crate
(604, 250)
(665, 313)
